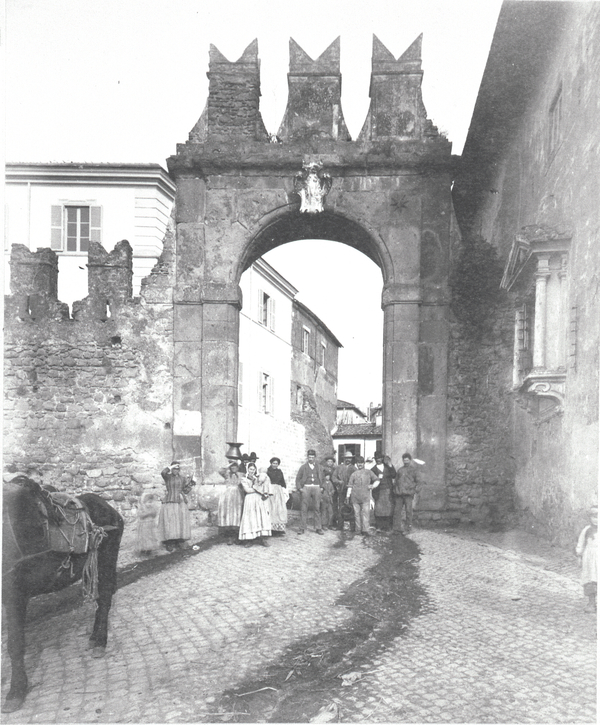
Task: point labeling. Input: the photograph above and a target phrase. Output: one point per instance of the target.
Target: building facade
(313, 392)
(529, 186)
(356, 432)
(66, 206)
(287, 376)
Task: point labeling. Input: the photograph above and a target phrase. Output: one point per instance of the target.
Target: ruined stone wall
(88, 401)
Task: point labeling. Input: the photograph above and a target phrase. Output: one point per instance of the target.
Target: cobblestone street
(501, 637)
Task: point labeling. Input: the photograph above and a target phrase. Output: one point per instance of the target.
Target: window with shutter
(265, 393)
(73, 227)
(305, 340)
(265, 309)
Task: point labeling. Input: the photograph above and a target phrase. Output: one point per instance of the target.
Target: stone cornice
(222, 155)
(89, 174)
(534, 240)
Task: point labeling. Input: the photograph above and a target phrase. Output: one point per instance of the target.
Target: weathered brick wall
(88, 403)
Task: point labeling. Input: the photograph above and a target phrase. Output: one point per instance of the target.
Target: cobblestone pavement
(505, 640)
(502, 639)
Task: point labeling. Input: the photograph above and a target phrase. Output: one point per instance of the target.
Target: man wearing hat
(309, 484)
(382, 494)
(341, 476)
(358, 494)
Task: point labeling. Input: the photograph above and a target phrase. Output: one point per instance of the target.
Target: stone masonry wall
(479, 460)
(88, 402)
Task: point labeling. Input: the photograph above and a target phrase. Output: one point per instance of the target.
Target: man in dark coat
(309, 485)
(340, 478)
(405, 488)
(383, 494)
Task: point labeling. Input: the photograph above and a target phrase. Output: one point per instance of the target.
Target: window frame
(305, 340)
(266, 397)
(59, 226)
(266, 310)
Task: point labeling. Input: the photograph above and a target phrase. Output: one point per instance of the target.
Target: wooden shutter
(259, 309)
(56, 228)
(271, 395)
(260, 376)
(271, 313)
(96, 224)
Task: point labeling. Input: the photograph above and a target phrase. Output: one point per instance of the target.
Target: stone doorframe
(389, 197)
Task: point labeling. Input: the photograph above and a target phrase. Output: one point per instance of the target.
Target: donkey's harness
(68, 529)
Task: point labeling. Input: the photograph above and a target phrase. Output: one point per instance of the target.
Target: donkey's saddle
(69, 526)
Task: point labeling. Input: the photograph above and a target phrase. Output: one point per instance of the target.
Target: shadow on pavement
(309, 673)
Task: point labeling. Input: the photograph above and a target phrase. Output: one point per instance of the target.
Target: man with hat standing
(358, 494)
(341, 476)
(309, 484)
(328, 494)
(382, 494)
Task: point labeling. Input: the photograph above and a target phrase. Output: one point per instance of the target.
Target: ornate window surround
(536, 276)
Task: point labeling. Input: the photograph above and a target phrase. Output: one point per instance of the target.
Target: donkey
(30, 567)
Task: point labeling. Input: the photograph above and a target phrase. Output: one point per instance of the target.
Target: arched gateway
(241, 193)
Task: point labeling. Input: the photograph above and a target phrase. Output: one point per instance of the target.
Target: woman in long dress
(231, 501)
(256, 516)
(174, 522)
(280, 495)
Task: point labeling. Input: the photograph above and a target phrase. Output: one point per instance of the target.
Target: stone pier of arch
(389, 199)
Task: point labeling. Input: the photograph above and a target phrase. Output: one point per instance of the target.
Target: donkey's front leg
(15, 608)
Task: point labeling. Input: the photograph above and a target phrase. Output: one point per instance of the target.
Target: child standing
(587, 550)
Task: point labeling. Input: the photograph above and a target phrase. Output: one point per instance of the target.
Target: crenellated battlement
(109, 281)
(34, 284)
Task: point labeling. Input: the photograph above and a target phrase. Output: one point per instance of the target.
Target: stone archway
(389, 198)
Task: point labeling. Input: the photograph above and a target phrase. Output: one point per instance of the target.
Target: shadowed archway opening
(291, 226)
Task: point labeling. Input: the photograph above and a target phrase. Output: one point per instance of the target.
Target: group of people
(254, 502)
(349, 491)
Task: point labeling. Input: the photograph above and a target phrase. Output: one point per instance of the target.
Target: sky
(125, 81)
